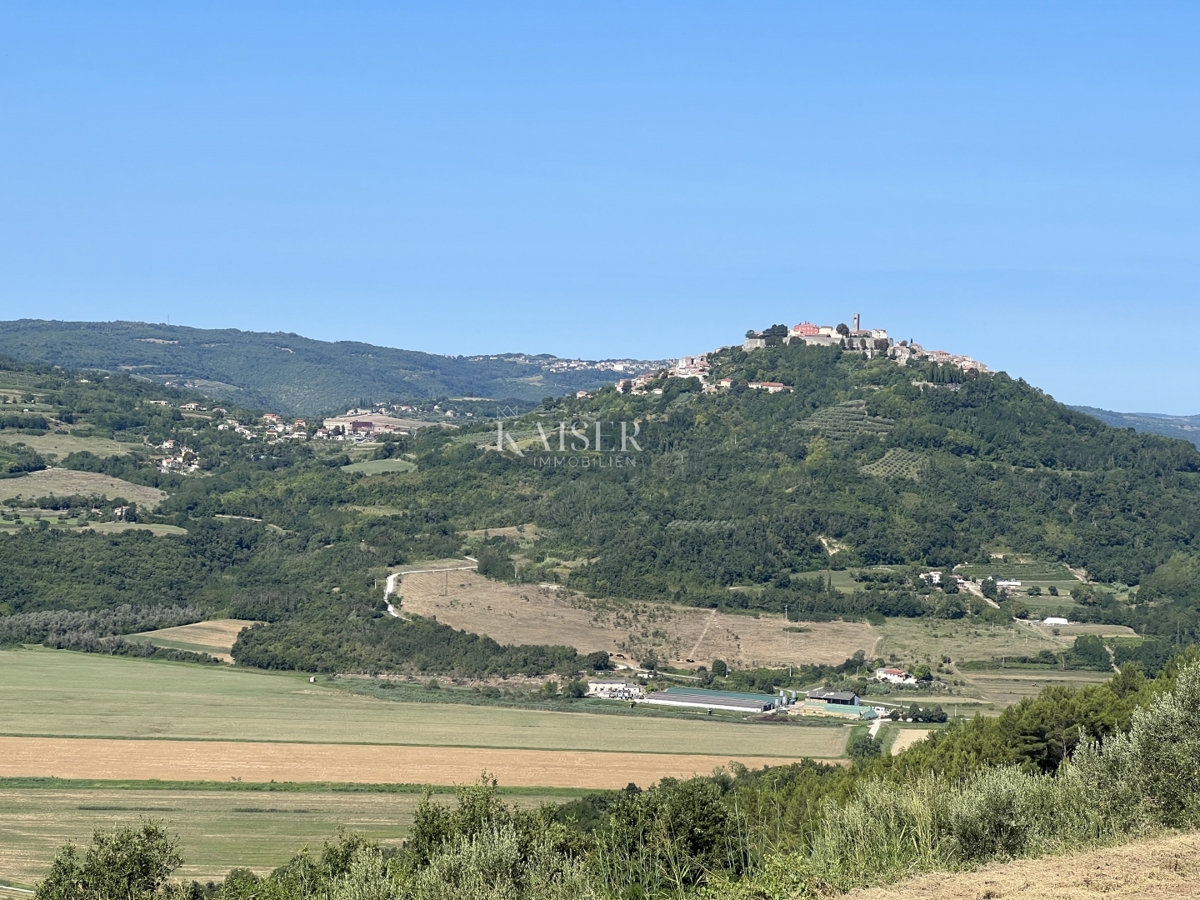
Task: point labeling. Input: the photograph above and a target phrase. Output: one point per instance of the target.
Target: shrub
(1150, 775)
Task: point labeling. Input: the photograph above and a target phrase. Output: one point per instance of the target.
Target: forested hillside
(737, 499)
(284, 372)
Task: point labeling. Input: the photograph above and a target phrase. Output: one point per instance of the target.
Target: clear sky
(1020, 182)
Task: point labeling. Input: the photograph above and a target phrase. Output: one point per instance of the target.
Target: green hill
(1186, 428)
(286, 372)
(737, 499)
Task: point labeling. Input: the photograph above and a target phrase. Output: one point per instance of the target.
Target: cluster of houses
(273, 429)
(556, 364)
(870, 342)
(180, 460)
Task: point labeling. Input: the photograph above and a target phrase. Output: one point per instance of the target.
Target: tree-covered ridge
(282, 372)
(1185, 428)
(1001, 463)
(737, 499)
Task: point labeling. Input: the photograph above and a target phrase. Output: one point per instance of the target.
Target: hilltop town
(869, 342)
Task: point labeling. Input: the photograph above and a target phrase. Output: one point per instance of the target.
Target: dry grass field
(215, 637)
(1004, 687)
(88, 758)
(57, 446)
(66, 482)
(906, 737)
(536, 614)
(909, 641)
(1161, 869)
(48, 693)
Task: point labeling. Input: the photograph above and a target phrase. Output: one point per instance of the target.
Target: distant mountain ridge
(293, 374)
(1186, 428)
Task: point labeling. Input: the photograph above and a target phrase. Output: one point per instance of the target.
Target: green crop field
(57, 693)
(218, 830)
(1030, 574)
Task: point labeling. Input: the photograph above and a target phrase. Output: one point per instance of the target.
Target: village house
(894, 676)
(771, 387)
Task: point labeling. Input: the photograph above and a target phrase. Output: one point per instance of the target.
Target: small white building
(614, 689)
(1055, 620)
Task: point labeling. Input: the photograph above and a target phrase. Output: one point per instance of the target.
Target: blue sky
(1020, 182)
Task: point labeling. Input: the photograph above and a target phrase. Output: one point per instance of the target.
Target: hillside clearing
(215, 637)
(67, 482)
(58, 446)
(543, 614)
(906, 737)
(381, 466)
(910, 641)
(1162, 869)
(1004, 687)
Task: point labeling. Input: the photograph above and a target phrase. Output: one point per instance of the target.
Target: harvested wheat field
(906, 737)
(215, 637)
(545, 614)
(1161, 869)
(110, 760)
(68, 482)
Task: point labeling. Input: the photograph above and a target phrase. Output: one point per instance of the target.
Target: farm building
(696, 698)
(842, 698)
(614, 689)
(1055, 620)
(833, 703)
(894, 676)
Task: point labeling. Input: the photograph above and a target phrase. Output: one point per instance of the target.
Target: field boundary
(375, 744)
(269, 787)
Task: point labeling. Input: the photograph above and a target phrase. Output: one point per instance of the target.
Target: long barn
(697, 698)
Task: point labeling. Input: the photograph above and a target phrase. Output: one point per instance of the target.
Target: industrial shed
(833, 703)
(697, 698)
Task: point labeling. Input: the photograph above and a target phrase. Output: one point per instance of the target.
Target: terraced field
(846, 421)
(896, 463)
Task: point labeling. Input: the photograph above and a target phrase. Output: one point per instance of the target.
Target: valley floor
(1165, 868)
